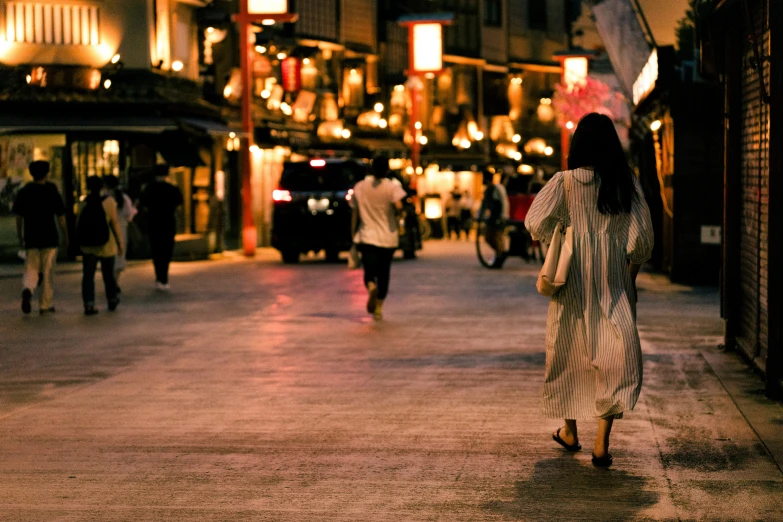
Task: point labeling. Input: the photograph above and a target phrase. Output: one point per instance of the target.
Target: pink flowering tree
(590, 96)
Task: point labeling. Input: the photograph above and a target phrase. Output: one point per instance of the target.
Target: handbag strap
(567, 184)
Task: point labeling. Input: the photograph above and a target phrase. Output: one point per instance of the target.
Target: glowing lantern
(574, 71)
(427, 47)
(267, 7)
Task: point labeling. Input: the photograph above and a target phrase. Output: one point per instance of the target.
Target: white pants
(41, 261)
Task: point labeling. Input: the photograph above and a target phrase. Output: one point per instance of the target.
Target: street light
(425, 57)
(252, 11)
(575, 64)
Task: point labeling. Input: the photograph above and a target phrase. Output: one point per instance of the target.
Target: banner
(624, 40)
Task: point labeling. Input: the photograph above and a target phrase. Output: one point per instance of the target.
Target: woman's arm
(115, 225)
(547, 209)
(640, 233)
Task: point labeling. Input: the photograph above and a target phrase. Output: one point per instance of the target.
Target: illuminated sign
(427, 47)
(645, 83)
(574, 71)
(269, 7)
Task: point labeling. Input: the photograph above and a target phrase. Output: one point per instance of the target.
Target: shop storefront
(87, 141)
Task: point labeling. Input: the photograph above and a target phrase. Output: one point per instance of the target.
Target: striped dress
(593, 354)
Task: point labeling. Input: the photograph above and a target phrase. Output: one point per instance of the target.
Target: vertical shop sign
(292, 74)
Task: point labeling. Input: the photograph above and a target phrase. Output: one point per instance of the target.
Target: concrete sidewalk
(259, 391)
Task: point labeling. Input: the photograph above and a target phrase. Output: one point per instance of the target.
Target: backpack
(92, 229)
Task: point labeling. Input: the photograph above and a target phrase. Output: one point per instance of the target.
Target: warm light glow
(268, 21)
(210, 30)
(516, 81)
(479, 136)
(353, 72)
(177, 66)
(306, 61)
(383, 123)
(433, 209)
(417, 125)
(232, 135)
(318, 163)
(255, 149)
(107, 84)
(378, 107)
(346, 134)
(267, 7)
(569, 125)
(115, 59)
(549, 151)
(526, 169)
(409, 170)
(427, 47)
(647, 79)
(465, 144)
(286, 109)
(399, 88)
(349, 195)
(423, 140)
(227, 91)
(281, 195)
(260, 49)
(655, 126)
(518, 156)
(265, 94)
(419, 170)
(546, 101)
(574, 71)
(281, 56)
(30, 78)
(516, 138)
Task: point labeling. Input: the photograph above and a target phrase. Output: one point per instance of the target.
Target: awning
(213, 128)
(41, 123)
(382, 145)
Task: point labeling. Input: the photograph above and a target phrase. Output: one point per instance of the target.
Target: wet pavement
(259, 391)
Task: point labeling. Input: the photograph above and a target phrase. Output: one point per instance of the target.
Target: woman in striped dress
(593, 353)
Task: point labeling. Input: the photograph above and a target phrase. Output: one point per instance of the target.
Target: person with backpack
(100, 239)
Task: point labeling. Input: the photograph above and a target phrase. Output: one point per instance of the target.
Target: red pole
(249, 233)
(416, 145)
(565, 144)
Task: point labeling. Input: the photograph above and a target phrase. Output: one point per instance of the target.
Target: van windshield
(334, 177)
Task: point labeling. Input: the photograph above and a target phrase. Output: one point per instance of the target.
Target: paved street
(258, 391)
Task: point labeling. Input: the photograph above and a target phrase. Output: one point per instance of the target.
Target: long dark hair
(596, 144)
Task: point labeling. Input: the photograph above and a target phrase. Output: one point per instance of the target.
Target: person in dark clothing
(161, 199)
(39, 210)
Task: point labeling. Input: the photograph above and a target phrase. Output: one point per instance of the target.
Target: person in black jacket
(161, 199)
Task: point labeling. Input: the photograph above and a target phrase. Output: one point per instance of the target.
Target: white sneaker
(160, 287)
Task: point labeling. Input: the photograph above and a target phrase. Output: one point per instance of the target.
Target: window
(52, 24)
(493, 13)
(536, 15)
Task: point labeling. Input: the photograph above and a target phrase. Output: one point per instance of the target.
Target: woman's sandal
(569, 447)
(602, 462)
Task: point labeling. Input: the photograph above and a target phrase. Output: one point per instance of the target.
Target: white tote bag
(558, 257)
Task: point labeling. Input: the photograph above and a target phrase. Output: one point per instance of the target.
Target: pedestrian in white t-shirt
(376, 201)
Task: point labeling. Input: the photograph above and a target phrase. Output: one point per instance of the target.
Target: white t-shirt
(377, 221)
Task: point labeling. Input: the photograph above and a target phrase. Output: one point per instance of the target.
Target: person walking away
(495, 213)
(466, 213)
(125, 214)
(453, 212)
(39, 210)
(376, 201)
(593, 353)
(161, 199)
(100, 239)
